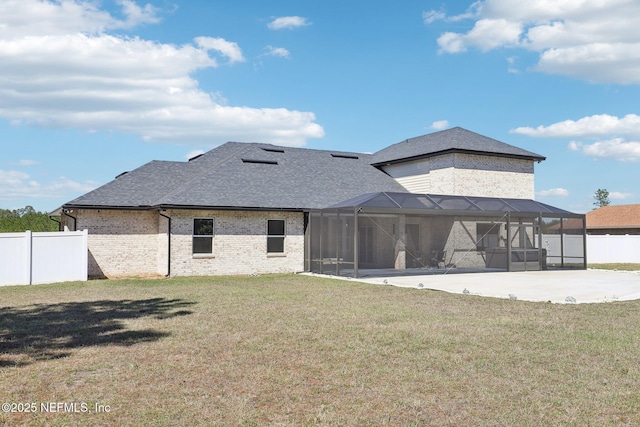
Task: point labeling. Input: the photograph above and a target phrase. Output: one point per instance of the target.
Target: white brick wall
(239, 243)
(120, 242)
(467, 175)
(127, 242)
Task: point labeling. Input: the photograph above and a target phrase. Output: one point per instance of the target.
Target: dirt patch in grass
(299, 350)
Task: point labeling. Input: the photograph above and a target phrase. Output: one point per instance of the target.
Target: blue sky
(90, 89)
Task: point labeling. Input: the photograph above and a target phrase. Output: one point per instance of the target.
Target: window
(487, 236)
(202, 236)
(275, 235)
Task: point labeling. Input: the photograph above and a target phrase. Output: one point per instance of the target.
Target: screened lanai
(403, 233)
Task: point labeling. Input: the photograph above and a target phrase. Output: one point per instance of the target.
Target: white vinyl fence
(613, 248)
(32, 258)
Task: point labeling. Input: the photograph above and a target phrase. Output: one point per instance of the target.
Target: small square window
(202, 236)
(275, 235)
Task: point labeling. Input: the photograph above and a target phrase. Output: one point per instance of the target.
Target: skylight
(344, 156)
(258, 161)
(273, 150)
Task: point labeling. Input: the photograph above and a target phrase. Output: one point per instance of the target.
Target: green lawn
(616, 266)
(293, 350)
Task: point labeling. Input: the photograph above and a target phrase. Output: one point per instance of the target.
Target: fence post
(85, 257)
(28, 267)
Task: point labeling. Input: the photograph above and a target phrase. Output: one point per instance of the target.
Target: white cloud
(432, 16)
(229, 49)
(615, 130)
(616, 149)
(553, 192)
(288, 22)
(440, 124)
(593, 40)
(513, 68)
(22, 18)
(590, 127)
(137, 15)
(617, 195)
(27, 162)
(451, 43)
(16, 184)
(279, 52)
(575, 145)
(60, 68)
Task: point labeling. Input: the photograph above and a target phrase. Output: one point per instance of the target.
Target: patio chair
(438, 257)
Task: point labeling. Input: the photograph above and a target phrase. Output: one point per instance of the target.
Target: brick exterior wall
(467, 175)
(239, 243)
(121, 243)
(132, 243)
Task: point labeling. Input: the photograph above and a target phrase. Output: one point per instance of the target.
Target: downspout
(168, 243)
(584, 243)
(75, 220)
(55, 220)
(508, 241)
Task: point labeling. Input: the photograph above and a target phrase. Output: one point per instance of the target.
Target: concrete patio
(567, 286)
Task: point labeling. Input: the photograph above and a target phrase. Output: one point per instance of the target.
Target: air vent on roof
(196, 157)
(273, 150)
(123, 173)
(344, 156)
(262, 162)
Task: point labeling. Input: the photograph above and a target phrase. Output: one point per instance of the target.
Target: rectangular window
(275, 235)
(203, 236)
(487, 236)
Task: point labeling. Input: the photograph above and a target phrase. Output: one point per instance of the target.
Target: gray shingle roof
(264, 176)
(245, 175)
(451, 140)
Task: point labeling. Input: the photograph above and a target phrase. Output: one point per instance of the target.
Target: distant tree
(23, 219)
(602, 198)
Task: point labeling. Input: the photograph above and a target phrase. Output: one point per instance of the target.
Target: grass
(617, 266)
(293, 350)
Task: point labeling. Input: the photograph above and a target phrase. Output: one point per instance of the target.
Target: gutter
(187, 207)
(75, 220)
(168, 242)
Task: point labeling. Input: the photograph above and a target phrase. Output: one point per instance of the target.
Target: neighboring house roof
(620, 216)
(245, 175)
(455, 140)
(439, 203)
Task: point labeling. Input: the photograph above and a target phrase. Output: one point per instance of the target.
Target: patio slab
(573, 286)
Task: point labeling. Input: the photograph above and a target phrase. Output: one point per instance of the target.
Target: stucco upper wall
(466, 175)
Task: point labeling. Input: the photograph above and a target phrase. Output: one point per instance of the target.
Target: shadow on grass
(51, 331)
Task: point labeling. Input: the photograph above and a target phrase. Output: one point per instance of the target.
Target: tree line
(23, 219)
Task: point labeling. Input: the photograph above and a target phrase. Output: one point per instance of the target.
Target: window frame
(277, 236)
(484, 237)
(195, 236)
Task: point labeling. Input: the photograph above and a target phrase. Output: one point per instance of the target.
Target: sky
(90, 89)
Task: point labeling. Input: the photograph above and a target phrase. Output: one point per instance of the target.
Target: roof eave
(186, 207)
(533, 157)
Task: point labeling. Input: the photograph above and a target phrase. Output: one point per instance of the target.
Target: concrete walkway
(574, 286)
